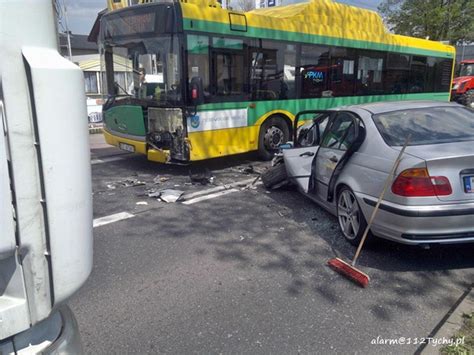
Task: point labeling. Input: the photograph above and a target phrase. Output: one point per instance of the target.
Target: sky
(82, 13)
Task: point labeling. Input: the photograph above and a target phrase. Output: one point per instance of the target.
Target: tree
(245, 5)
(438, 20)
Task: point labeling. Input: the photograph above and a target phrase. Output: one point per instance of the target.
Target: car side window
(311, 132)
(342, 132)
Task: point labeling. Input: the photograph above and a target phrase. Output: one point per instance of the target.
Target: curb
(453, 323)
(95, 130)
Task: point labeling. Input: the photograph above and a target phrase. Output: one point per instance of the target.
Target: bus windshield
(146, 69)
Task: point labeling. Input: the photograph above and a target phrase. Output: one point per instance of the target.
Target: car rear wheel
(350, 217)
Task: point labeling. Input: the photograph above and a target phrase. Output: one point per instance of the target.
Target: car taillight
(418, 183)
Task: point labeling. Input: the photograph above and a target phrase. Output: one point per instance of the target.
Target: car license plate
(469, 184)
(127, 147)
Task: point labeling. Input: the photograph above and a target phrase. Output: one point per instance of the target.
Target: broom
(349, 270)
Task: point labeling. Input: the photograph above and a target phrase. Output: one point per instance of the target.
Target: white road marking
(218, 188)
(209, 196)
(111, 219)
(202, 192)
(106, 160)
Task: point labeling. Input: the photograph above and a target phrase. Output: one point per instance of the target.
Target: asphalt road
(245, 272)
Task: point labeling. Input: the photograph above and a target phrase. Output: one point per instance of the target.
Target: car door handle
(307, 154)
(334, 159)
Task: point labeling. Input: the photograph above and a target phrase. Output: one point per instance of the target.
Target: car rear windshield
(432, 125)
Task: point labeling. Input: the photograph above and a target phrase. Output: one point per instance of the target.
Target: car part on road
(170, 195)
(349, 270)
(125, 183)
(275, 176)
(203, 178)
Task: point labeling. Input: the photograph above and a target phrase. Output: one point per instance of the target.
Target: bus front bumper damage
(165, 141)
(166, 135)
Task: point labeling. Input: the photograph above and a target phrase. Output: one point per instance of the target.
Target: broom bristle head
(347, 270)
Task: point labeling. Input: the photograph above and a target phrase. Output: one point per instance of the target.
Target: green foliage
(466, 332)
(440, 20)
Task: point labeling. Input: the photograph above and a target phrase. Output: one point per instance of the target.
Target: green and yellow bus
(205, 82)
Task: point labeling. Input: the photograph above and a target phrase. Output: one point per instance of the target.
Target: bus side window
(289, 71)
(198, 61)
(228, 75)
(416, 82)
(369, 73)
(397, 73)
(314, 71)
(264, 75)
(342, 78)
(443, 69)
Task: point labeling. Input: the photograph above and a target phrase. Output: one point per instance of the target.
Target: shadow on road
(283, 235)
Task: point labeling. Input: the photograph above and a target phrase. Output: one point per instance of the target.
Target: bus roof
(317, 21)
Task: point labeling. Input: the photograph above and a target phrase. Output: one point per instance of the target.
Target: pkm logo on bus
(316, 76)
(195, 121)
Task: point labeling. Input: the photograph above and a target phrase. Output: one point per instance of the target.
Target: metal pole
(67, 32)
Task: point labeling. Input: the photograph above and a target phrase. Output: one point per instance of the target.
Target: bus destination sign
(130, 24)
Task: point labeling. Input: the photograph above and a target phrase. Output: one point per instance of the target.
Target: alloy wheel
(348, 214)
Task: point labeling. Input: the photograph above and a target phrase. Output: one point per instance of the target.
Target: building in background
(260, 4)
(86, 55)
(464, 52)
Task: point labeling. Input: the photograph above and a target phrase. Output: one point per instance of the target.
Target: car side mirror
(196, 91)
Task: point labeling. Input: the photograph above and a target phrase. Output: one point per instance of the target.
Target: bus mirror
(197, 91)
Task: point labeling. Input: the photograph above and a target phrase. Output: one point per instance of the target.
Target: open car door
(343, 136)
(299, 160)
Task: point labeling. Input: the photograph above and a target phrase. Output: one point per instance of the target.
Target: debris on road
(142, 203)
(204, 178)
(153, 193)
(247, 170)
(159, 179)
(125, 183)
(170, 195)
(165, 195)
(252, 184)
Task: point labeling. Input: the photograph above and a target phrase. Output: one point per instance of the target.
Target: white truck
(45, 186)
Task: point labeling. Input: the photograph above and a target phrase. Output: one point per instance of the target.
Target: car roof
(389, 106)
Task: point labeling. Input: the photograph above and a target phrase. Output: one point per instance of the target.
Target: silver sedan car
(341, 159)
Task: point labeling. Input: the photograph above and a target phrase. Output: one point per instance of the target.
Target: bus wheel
(273, 133)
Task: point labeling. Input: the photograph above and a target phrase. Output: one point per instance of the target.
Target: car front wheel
(350, 217)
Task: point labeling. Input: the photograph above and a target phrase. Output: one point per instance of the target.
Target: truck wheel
(467, 99)
(273, 133)
(274, 176)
